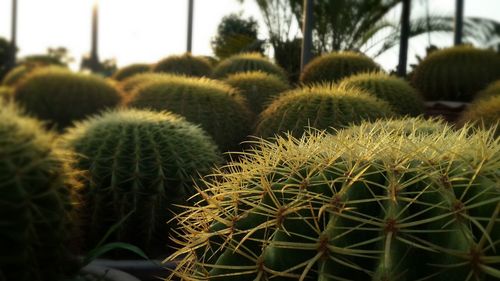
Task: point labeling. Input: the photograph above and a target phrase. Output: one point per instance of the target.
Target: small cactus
(36, 202)
(186, 64)
(131, 70)
(61, 97)
(456, 73)
(493, 89)
(333, 67)
(215, 106)
(402, 97)
(247, 62)
(17, 74)
(130, 84)
(321, 107)
(257, 87)
(366, 204)
(138, 161)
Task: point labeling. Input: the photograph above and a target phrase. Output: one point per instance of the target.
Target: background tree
(54, 56)
(236, 35)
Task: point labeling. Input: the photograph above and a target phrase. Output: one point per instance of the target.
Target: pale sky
(147, 30)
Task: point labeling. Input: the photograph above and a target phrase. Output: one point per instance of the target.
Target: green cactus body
(321, 107)
(61, 97)
(215, 106)
(129, 85)
(6, 93)
(333, 67)
(184, 65)
(456, 73)
(257, 87)
(137, 161)
(484, 113)
(379, 201)
(131, 70)
(35, 202)
(247, 62)
(402, 97)
(17, 74)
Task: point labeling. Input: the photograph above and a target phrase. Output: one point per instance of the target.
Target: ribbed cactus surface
(186, 64)
(321, 107)
(258, 87)
(141, 162)
(456, 73)
(35, 201)
(403, 98)
(333, 67)
(60, 96)
(131, 70)
(215, 106)
(247, 62)
(369, 203)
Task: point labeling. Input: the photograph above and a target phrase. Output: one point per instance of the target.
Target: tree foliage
(236, 35)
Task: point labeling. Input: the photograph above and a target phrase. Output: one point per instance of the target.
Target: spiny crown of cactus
(18, 73)
(484, 113)
(186, 64)
(6, 93)
(493, 89)
(403, 98)
(258, 87)
(215, 106)
(456, 73)
(131, 70)
(367, 204)
(322, 106)
(333, 67)
(130, 84)
(61, 97)
(36, 201)
(247, 62)
(138, 161)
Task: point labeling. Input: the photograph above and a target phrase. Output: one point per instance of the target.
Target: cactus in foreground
(456, 73)
(186, 64)
(366, 204)
(137, 160)
(215, 106)
(333, 67)
(402, 97)
(247, 62)
(484, 113)
(61, 97)
(321, 107)
(35, 201)
(257, 87)
(131, 70)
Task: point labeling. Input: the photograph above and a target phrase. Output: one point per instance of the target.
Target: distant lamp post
(13, 37)
(94, 64)
(459, 22)
(404, 38)
(306, 55)
(190, 27)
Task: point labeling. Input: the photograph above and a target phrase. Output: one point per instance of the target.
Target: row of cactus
(390, 200)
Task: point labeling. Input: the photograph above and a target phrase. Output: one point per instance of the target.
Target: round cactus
(141, 162)
(247, 62)
(456, 73)
(60, 96)
(186, 64)
(130, 84)
(217, 107)
(493, 89)
(484, 112)
(383, 205)
(402, 97)
(333, 67)
(131, 70)
(257, 87)
(36, 201)
(321, 107)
